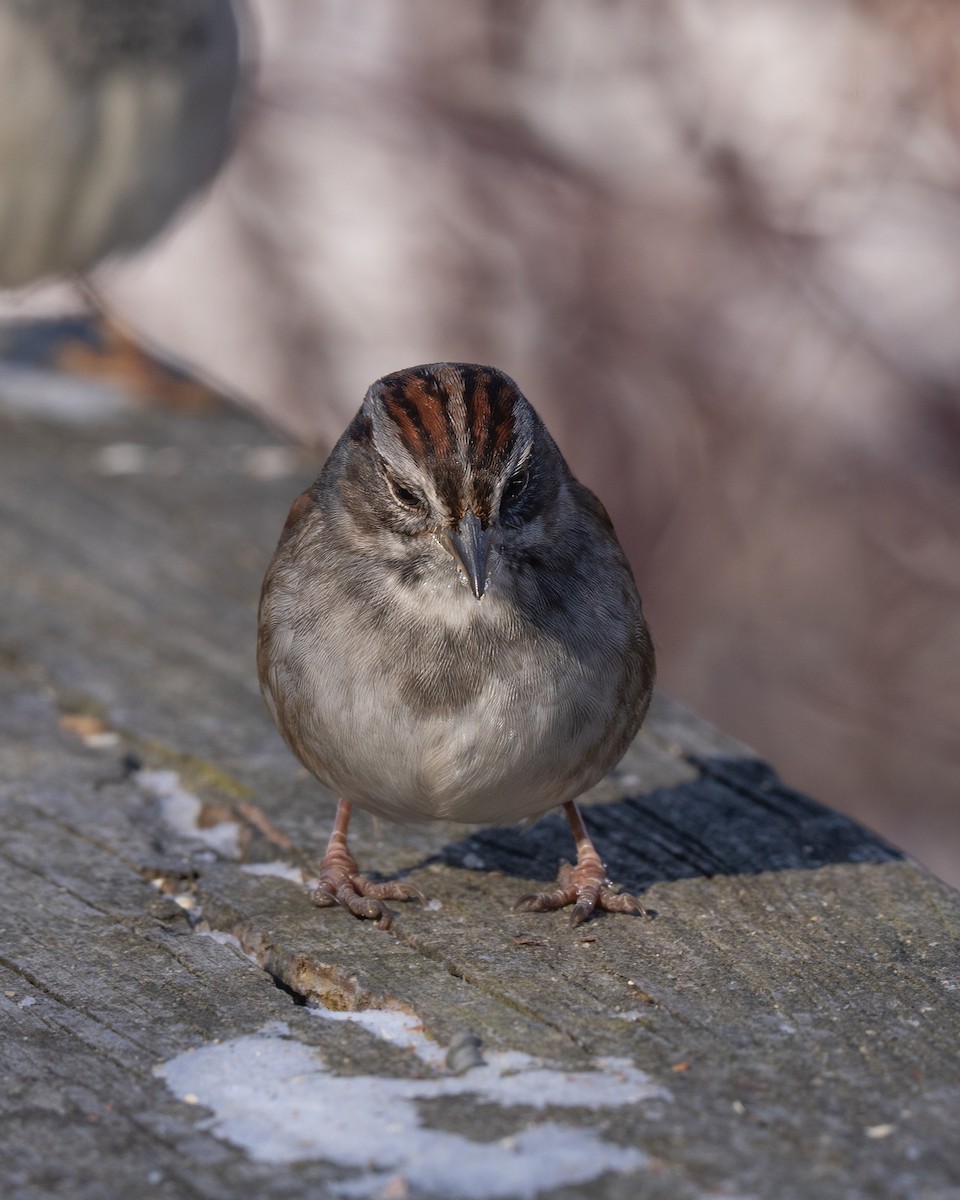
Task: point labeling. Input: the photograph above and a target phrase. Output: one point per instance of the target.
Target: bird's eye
(404, 495)
(515, 487)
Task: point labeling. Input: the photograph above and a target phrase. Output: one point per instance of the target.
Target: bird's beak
(469, 544)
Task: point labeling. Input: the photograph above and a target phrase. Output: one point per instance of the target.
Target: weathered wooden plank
(794, 999)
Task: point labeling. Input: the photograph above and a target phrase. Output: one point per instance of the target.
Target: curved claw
(341, 883)
(390, 889)
(560, 897)
(368, 908)
(610, 900)
(544, 901)
(324, 897)
(587, 888)
(361, 896)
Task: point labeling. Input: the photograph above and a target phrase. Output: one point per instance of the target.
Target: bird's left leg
(585, 886)
(341, 881)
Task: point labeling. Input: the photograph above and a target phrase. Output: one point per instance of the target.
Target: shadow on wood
(738, 818)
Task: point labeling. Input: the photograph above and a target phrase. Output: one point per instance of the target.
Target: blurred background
(717, 243)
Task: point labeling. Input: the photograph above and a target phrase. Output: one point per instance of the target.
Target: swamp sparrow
(449, 627)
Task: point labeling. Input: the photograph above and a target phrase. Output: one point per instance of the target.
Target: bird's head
(461, 458)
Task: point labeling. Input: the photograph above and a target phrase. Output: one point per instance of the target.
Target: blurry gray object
(113, 113)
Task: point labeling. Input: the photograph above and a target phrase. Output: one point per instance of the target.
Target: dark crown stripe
(489, 400)
(476, 404)
(403, 410)
(419, 404)
(501, 421)
(432, 404)
(417, 407)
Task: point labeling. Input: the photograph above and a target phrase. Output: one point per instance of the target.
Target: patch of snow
(281, 870)
(182, 810)
(277, 1099)
(394, 1027)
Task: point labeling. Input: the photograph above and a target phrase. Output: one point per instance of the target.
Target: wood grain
(796, 991)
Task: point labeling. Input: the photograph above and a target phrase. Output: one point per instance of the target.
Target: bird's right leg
(341, 881)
